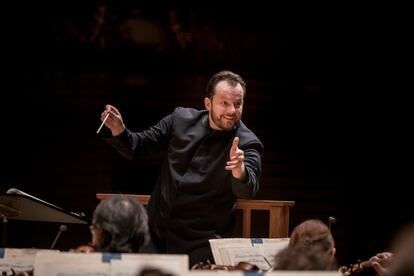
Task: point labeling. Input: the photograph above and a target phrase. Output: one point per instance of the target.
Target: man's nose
(232, 109)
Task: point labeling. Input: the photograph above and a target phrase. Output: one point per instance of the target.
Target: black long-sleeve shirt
(194, 194)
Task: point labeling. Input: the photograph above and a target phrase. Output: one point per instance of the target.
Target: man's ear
(207, 103)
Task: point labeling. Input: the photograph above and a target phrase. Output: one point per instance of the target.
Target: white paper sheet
(260, 252)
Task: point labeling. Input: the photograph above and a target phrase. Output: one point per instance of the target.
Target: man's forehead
(226, 90)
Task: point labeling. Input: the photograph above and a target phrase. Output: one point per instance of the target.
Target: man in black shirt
(210, 158)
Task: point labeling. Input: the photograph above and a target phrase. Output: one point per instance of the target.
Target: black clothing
(194, 195)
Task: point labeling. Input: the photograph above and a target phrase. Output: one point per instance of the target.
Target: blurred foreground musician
(311, 247)
(119, 225)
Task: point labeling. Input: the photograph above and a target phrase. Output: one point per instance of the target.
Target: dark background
(326, 95)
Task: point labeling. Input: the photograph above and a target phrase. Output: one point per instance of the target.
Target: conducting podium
(278, 213)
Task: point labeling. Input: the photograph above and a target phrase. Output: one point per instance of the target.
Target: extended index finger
(235, 145)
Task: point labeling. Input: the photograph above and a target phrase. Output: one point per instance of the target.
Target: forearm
(153, 140)
(248, 185)
(123, 143)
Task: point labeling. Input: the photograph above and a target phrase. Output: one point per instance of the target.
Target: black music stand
(19, 205)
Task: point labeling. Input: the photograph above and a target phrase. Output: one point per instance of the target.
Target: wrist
(118, 131)
(239, 173)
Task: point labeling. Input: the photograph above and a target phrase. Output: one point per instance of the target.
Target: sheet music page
(270, 254)
(175, 263)
(271, 247)
(44, 259)
(252, 255)
(134, 267)
(216, 244)
(20, 259)
(275, 243)
(76, 269)
(224, 250)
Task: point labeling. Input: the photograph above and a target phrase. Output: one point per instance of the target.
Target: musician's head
(302, 257)
(119, 224)
(311, 233)
(311, 247)
(153, 272)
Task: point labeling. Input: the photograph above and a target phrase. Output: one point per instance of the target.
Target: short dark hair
(124, 224)
(232, 78)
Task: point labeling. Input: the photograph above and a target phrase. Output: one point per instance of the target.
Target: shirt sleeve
(253, 163)
(152, 140)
